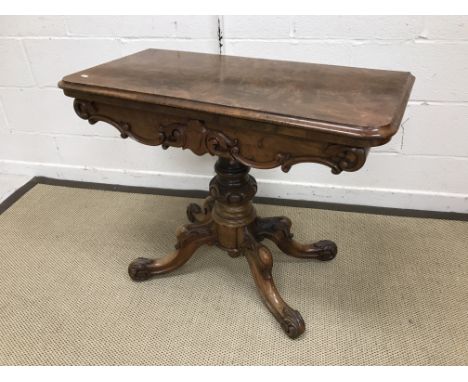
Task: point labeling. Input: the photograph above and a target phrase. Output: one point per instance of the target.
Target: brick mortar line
(3, 114)
(3, 117)
(348, 40)
(243, 39)
(29, 63)
(124, 38)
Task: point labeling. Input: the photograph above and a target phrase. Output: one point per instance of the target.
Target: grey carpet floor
(397, 293)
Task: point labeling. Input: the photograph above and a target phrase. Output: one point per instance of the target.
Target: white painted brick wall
(438, 66)
(195, 45)
(190, 27)
(451, 28)
(436, 130)
(425, 166)
(25, 105)
(50, 57)
(305, 50)
(3, 122)
(358, 27)
(17, 26)
(14, 68)
(258, 27)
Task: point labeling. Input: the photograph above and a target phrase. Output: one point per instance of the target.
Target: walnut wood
(229, 221)
(245, 145)
(278, 230)
(195, 213)
(189, 238)
(248, 113)
(331, 99)
(261, 264)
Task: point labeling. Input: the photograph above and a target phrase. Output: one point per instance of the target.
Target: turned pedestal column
(228, 220)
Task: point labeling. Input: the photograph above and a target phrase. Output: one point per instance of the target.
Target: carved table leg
(261, 263)
(195, 213)
(228, 219)
(189, 238)
(278, 230)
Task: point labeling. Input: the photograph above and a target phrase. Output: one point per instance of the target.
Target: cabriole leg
(261, 264)
(278, 230)
(189, 238)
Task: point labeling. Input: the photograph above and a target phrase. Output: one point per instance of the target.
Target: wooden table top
(322, 98)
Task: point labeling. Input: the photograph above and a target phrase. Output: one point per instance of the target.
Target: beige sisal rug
(397, 293)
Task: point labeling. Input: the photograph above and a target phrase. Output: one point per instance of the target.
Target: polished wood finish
(363, 103)
(228, 220)
(278, 230)
(249, 113)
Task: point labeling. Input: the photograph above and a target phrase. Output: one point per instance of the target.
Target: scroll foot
(261, 263)
(278, 230)
(326, 250)
(292, 322)
(189, 238)
(139, 269)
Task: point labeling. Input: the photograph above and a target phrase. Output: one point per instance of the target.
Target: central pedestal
(228, 220)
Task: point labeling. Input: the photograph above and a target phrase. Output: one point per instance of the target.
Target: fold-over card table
(248, 113)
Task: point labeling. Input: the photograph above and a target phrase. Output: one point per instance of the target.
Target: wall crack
(221, 34)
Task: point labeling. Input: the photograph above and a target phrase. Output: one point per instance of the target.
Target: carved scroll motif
(88, 110)
(338, 157)
(194, 135)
